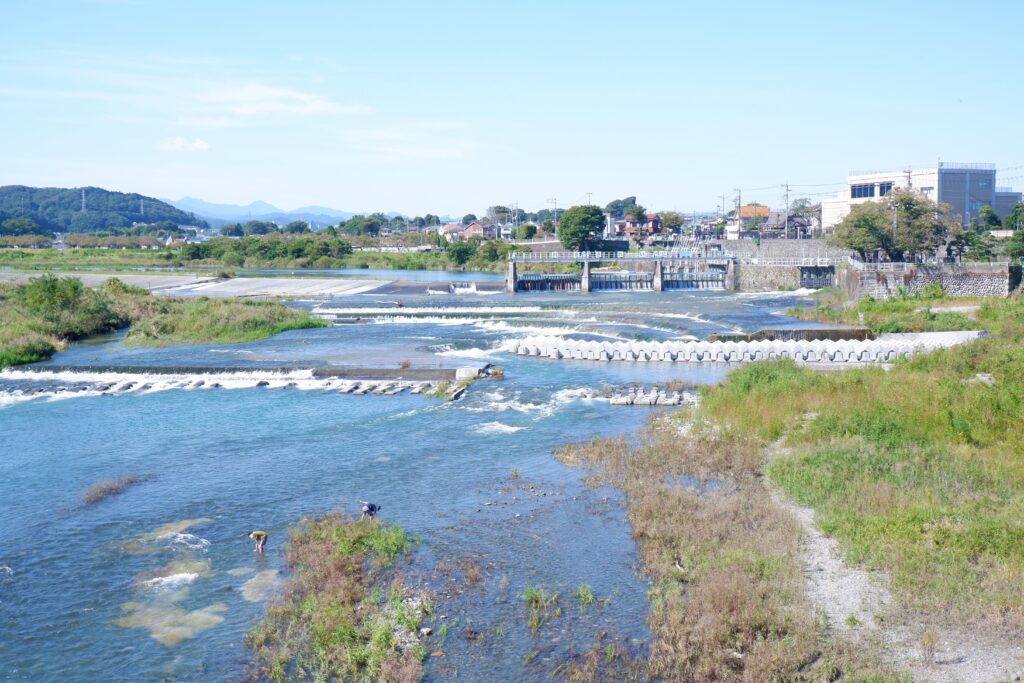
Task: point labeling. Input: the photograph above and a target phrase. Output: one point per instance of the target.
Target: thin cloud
(253, 99)
(183, 144)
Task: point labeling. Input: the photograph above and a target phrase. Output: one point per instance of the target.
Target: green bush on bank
(919, 470)
(39, 318)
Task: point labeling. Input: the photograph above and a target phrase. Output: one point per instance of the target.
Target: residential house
(630, 226)
(452, 232)
(472, 230)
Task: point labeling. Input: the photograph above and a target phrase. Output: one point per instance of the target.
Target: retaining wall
(981, 280)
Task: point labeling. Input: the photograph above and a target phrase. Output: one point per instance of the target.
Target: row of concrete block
(887, 348)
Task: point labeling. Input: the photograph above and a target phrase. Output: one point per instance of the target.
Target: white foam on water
(149, 383)
(190, 541)
(170, 582)
(497, 428)
(470, 353)
(428, 310)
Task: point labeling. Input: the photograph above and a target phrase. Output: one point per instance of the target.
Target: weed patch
(343, 614)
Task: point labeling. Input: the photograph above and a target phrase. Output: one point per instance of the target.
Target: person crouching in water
(261, 540)
(369, 509)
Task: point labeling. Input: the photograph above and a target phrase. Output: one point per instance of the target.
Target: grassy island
(39, 318)
(344, 614)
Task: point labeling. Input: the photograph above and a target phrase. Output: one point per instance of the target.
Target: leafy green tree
(499, 213)
(526, 231)
(232, 230)
(1015, 219)
(620, 208)
(296, 227)
(579, 226)
(419, 222)
(902, 225)
(460, 252)
(259, 227)
(20, 226)
(548, 226)
(1015, 247)
(468, 218)
(397, 223)
(430, 220)
(987, 216)
(671, 220)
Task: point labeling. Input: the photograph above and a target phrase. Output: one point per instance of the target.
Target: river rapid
(160, 583)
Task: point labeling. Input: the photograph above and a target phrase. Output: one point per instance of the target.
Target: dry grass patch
(727, 595)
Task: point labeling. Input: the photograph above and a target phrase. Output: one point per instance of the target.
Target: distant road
(210, 286)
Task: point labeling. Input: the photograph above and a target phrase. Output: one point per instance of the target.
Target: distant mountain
(219, 214)
(60, 209)
(228, 212)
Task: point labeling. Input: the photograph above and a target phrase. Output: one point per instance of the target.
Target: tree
(987, 216)
(526, 231)
(20, 226)
(259, 228)
(468, 218)
(1015, 219)
(232, 230)
(620, 207)
(431, 219)
(397, 223)
(902, 225)
(1015, 247)
(974, 244)
(672, 220)
(579, 226)
(460, 252)
(296, 227)
(548, 226)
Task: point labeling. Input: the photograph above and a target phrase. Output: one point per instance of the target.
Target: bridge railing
(818, 261)
(563, 256)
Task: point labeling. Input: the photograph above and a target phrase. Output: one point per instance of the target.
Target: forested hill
(60, 209)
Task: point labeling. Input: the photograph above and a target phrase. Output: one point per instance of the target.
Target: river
(160, 583)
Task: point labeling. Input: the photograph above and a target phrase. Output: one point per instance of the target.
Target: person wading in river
(369, 509)
(261, 539)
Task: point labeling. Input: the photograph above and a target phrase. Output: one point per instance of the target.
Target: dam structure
(659, 271)
(886, 348)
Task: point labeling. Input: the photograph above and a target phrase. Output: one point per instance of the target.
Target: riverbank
(915, 472)
(44, 314)
(911, 474)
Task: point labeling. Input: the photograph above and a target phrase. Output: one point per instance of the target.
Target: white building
(965, 187)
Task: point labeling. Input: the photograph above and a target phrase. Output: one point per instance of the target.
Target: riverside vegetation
(344, 613)
(39, 318)
(916, 471)
(319, 251)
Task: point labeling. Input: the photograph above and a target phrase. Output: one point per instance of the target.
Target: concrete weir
(886, 348)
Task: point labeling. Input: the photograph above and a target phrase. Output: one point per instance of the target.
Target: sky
(450, 107)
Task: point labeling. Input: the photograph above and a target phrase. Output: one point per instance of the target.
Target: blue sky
(448, 107)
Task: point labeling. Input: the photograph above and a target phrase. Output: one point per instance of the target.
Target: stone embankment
(886, 348)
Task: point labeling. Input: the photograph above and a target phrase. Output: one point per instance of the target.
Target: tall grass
(726, 596)
(39, 318)
(341, 615)
(918, 471)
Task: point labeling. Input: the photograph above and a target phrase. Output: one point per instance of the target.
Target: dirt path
(859, 607)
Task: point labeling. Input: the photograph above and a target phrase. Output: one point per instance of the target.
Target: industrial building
(965, 187)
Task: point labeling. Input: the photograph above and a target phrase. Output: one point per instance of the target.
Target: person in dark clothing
(369, 509)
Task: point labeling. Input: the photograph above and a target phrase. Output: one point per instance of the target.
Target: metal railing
(577, 256)
(807, 261)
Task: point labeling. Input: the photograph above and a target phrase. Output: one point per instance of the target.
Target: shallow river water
(160, 582)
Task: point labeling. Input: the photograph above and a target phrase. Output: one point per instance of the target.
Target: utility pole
(721, 207)
(554, 208)
(589, 194)
(739, 202)
(785, 230)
